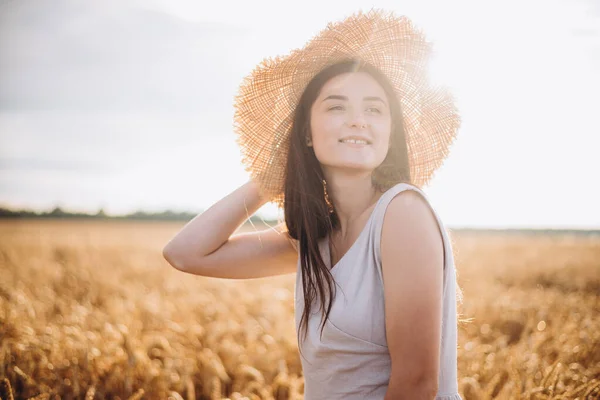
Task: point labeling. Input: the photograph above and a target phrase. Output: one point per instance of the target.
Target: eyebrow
(338, 97)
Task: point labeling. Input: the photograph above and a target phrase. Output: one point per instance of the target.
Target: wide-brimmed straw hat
(267, 98)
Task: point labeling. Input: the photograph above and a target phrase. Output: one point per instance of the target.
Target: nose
(357, 119)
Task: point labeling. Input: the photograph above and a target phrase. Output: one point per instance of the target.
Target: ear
(309, 141)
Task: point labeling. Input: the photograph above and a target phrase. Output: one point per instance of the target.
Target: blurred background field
(89, 309)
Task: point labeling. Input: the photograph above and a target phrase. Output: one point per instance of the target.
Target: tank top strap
(377, 225)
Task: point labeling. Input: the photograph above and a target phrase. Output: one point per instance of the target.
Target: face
(351, 123)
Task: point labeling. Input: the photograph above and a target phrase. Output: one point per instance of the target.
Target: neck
(352, 197)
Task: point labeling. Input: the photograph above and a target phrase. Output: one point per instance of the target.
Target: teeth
(354, 141)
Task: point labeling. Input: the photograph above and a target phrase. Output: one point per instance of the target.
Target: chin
(358, 167)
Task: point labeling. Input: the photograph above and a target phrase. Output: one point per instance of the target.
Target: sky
(128, 105)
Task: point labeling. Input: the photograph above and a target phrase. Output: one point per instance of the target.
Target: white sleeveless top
(351, 361)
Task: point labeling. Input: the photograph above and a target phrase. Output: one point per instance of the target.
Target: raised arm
(207, 246)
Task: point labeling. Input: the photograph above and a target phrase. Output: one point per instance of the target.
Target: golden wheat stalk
(5, 390)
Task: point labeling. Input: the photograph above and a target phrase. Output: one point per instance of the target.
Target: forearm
(206, 232)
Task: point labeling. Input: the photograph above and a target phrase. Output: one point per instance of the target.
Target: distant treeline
(167, 215)
(185, 216)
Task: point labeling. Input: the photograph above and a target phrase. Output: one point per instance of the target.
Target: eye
(335, 108)
(375, 109)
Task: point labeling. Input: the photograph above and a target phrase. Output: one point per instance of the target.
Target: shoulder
(410, 226)
(409, 207)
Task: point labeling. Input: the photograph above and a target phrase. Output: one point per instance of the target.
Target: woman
(340, 134)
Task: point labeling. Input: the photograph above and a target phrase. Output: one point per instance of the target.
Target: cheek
(384, 137)
(325, 128)
(383, 130)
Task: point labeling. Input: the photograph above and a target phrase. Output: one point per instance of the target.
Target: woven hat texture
(267, 97)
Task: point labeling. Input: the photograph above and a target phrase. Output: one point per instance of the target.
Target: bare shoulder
(410, 227)
(409, 208)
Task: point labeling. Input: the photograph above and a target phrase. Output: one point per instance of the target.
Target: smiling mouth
(354, 141)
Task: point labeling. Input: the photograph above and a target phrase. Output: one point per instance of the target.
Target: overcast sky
(127, 104)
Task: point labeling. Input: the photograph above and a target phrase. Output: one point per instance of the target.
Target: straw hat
(267, 98)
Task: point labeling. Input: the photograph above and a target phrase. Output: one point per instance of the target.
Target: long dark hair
(306, 213)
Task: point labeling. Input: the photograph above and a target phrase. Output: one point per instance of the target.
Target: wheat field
(90, 310)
